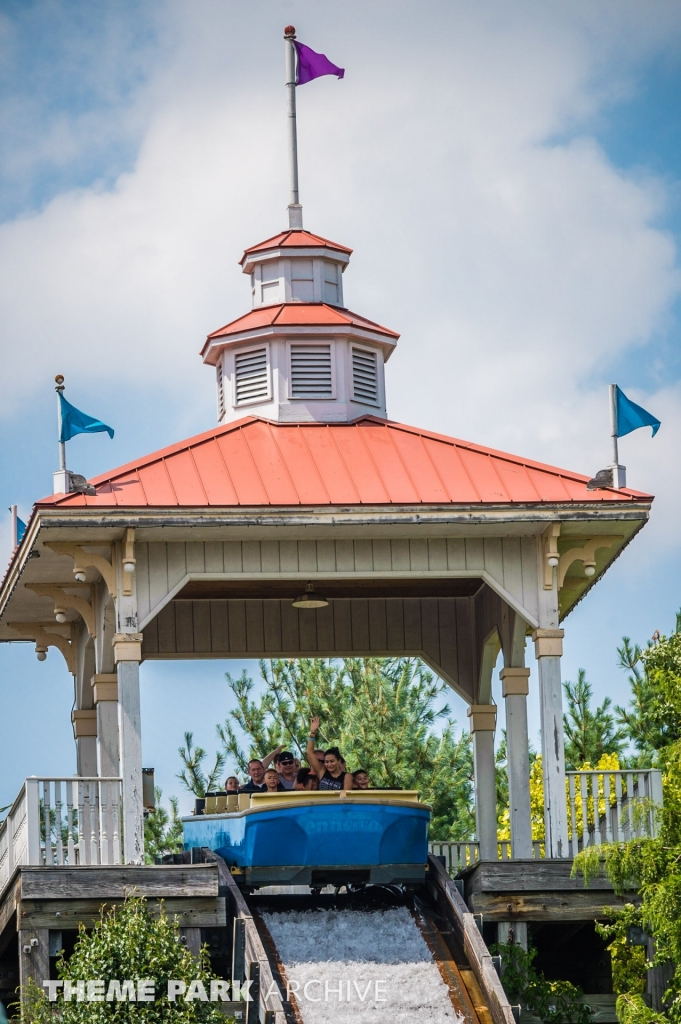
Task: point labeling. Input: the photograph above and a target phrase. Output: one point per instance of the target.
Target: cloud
(489, 227)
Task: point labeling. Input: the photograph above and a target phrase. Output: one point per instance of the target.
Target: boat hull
(316, 843)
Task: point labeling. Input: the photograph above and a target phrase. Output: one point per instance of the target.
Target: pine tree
(162, 830)
(380, 712)
(192, 776)
(588, 733)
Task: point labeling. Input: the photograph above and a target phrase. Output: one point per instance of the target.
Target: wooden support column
(192, 940)
(34, 957)
(127, 656)
(515, 688)
(548, 645)
(483, 721)
(85, 733)
(105, 693)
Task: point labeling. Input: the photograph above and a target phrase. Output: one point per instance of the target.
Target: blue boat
(317, 838)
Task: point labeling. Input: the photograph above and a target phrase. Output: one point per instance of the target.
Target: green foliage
(380, 712)
(629, 963)
(193, 776)
(653, 719)
(128, 943)
(556, 1002)
(631, 1009)
(162, 830)
(588, 733)
(651, 865)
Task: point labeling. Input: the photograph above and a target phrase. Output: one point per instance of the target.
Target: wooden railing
(62, 821)
(625, 807)
(612, 807)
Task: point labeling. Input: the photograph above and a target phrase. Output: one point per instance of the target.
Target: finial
(289, 32)
(59, 381)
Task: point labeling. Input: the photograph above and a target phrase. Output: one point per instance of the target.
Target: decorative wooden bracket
(82, 559)
(585, 554)
(37, 631)
(63, 600)
(550, 552)
(128, 560)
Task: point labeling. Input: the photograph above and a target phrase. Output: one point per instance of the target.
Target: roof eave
(215, 343)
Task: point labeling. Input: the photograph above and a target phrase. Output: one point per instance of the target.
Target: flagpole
(295, 210)
(61, 477)
(619, 473)
(15, 526)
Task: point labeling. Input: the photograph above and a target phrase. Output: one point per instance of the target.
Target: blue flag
(21, 529)
(73, 422)
(631, 416)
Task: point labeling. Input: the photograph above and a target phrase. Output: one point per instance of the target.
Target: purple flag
(314, 65)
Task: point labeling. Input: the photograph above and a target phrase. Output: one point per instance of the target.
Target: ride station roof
(294, 240)
(254, 462)
(299, 314)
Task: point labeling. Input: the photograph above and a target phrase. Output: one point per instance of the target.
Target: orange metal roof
(294, 240)
(372, 461)
(299, 314)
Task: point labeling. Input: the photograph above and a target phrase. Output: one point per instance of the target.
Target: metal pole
(62, 444)
(613, 424)
(15, 526)
(295, 210)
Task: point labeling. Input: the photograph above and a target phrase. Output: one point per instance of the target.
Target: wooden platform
(535, 890)
(41, 900)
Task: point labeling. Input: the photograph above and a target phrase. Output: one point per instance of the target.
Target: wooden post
(548, 644)
(105, 693)
(515, 688)
(483, 719)
(192, 938)
(34, 957)
(127, 655)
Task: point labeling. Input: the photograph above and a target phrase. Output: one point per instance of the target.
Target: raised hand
(314, 724)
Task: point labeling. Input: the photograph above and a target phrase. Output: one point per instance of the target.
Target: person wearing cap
(286, 766)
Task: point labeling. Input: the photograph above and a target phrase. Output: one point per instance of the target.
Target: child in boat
(272, 783)
(306, 779)
(360, 779)
(232, 784)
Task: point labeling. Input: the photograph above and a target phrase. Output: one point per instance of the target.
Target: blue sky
(509, 177)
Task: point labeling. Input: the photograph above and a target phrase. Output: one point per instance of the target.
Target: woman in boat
(330, 773)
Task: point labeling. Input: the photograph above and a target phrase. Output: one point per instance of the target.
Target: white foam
(338, 957)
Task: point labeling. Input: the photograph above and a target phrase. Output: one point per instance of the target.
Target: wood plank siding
(447, 632)
(508, 564)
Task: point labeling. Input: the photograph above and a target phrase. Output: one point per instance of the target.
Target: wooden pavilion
(422, 544)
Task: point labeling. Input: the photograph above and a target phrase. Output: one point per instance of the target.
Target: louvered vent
(221, 393)
(364, 377)
(251, 377)
(311, 375)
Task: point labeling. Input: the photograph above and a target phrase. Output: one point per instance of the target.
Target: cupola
(300, 355)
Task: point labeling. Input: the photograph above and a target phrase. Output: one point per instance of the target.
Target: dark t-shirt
(327, 781)
(251, 787)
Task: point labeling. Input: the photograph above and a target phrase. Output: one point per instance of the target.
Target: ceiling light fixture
(310, 599)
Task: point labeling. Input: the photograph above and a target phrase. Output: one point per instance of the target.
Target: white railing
(612, 807)
(62, 821)
(625, 808)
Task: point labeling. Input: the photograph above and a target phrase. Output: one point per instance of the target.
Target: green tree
(588, 733)
(381, 712)
(127, 943)
(653, 718)
(651, 865)
(193, 777)
(162, 830)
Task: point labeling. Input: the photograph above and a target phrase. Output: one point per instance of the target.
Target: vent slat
(221, 393)
(364, 377)
(311, 373)
(251, 376)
